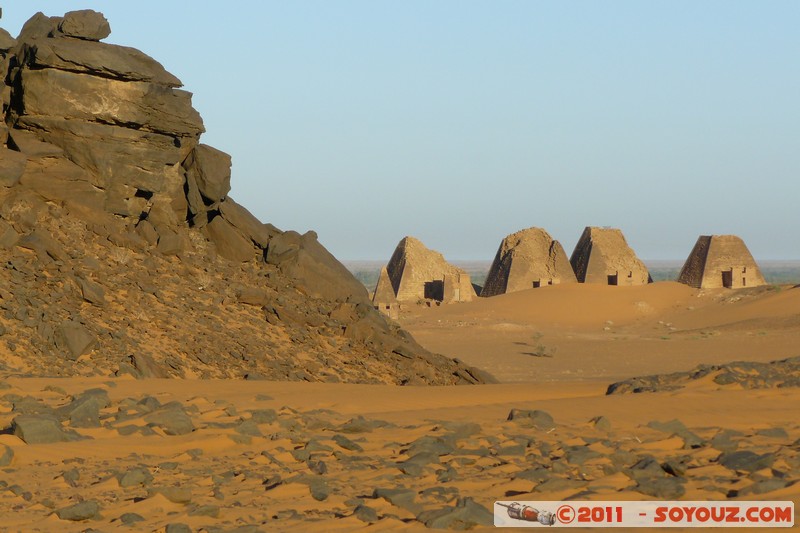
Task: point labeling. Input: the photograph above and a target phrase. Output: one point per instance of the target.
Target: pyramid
(603, 256)
(383, 299)
(527, 259)
(720, 261)
(417, 273)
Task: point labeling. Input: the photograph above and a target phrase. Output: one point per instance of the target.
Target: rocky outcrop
(125, 252)
(527, 259)
(745, 374)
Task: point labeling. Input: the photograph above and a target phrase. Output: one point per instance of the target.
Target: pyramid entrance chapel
(529, 258)
(602, 255)
(720, 261)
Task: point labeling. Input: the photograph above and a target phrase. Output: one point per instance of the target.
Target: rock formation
(122, 251)
(418, 273)
(527, 259)
(603, 256)
(383, 299)
(720, 261)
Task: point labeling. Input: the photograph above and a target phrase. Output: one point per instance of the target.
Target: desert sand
(341, 457)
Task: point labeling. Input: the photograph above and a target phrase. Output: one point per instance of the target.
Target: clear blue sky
(461, 121)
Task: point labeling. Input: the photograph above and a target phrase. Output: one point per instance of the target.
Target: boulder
(32, 146)
(539, 419)
(8, 236)
(60, 180)
(146, 106)
(7, 42)
(230, 243)
(12, 166)
(246, 223)
(466, 514)
(172, 419)
(99, 59)
(106, 151)
(7, 456)
(39, 26)
(38, 429)
(746, 460)
(80, 511)
(85, 24)
(92, 292)
(315, 270)
(169, 242)
(75, 339)
(211, 169)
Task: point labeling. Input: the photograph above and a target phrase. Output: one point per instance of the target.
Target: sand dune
(593, 331)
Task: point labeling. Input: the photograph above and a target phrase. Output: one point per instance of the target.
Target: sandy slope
(243, 466)
(609, 333)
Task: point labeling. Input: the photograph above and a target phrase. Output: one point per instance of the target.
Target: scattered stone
(401, 497)
(676, 427)
(319, 489)
(668, 488)
(71, 477)
(205, 510)
(762, 487)
(773, 433)
(746, 460)
(92, 292)
(347, 444)
(466, 514)
(134, 477)
(602, 423)
(75, 339)
(171, 419)
(249, 428)
(539, 419)
(359, 424)
(38, 429)
(131, 518)
(181, 495)
(366, 514)
(7, 456)
(723, 440)
(80, 511)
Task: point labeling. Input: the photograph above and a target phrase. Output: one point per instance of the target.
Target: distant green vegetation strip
(367, 272)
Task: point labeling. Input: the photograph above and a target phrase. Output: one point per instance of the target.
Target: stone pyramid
(418, 273)
(720, 261)
(383, 299)
(527, 259)
(602, 255)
